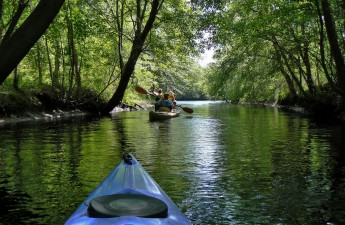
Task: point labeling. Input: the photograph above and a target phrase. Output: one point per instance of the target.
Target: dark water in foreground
(224, 164)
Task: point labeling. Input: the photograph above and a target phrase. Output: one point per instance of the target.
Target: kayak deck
(141, 194)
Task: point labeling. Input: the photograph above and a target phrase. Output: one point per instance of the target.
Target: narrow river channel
(223, 164)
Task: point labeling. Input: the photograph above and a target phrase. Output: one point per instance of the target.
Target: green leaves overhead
(274, 47)
(84, 40)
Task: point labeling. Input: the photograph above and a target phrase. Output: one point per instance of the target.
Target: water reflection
(224, 164)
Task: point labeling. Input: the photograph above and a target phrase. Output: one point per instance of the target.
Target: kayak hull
(163, 115)
(128, 179)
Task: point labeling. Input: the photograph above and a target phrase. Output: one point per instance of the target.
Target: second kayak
(161, 115)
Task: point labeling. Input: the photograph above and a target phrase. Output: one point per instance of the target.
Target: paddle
(186, 109)
(141, 90)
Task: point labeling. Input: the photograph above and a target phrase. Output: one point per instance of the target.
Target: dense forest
(91, 54)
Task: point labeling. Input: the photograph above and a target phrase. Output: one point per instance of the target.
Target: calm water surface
(224, 164)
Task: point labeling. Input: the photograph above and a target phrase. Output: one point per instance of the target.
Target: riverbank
(46, 106)
(18, 106)
(42, 116)
(318, 110)
(328, 108)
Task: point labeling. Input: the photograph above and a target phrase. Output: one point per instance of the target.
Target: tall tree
(18, 43)
(335, 47)
(141, 32)
(75, 70)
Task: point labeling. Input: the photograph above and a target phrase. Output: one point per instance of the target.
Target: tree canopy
(268, 50)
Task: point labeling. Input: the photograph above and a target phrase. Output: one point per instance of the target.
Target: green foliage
(168, 59)
(254, 40)
(16, 102)
(248, 35)
(169, 55)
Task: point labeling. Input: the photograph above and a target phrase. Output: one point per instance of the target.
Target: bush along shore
(19, 106)
(325, 105)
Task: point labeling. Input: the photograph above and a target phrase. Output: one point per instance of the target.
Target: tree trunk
(75, 68)
(287, 78)
(16, 79)
(49, 60)
(136, 50)
(39, 64)
(285, 61)
(305, 58)
(14, 49)
(55, 75)
(322, 51)
(335, 48)
(119, 23)
(293, 76)
(14, 21)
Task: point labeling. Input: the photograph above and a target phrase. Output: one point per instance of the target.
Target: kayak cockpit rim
(128, 195)
(117, 205)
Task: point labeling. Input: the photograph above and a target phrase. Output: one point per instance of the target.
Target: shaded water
(224, 164)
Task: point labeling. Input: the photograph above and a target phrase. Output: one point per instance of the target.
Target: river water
(223, 164)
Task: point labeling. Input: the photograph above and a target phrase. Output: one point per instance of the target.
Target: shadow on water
(12, 206)
(223, 164)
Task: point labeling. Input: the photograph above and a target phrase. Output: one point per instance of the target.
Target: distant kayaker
(164, 103)
(159, 95)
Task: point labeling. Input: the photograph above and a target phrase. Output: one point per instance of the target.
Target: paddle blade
(187, 110)
(141, 90)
